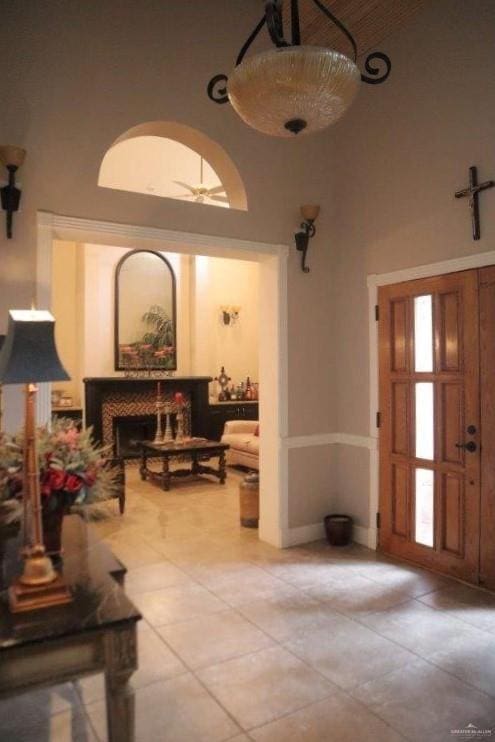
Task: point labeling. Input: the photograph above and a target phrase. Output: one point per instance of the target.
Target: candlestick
(159, 433)
(168, 436)
(179, 436)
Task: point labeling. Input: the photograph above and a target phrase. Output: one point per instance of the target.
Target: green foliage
(73, 469)
(161, 334)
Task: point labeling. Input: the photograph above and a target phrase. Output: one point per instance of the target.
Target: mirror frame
(118, 268)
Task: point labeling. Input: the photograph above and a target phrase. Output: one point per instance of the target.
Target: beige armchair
(244, 444)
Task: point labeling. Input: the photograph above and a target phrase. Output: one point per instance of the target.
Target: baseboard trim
(316, 531)
(303, 534)
(360, 535)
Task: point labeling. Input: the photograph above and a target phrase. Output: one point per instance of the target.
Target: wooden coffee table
(196, 451)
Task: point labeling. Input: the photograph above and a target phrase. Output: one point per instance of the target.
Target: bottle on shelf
(249, 390)
(233, 393)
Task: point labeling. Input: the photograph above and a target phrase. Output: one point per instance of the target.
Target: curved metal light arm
(375, 71)
(249, 41)
(274, 22)
(339, 25)
(376, 78)
(217, 88)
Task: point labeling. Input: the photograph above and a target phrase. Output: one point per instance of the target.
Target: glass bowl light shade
(293, 89)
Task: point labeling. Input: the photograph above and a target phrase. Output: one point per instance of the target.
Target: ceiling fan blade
(186, 195)
(217, 189)
(185, 185)
(223, 199)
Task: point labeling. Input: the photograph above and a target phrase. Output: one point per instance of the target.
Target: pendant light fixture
(294, 88)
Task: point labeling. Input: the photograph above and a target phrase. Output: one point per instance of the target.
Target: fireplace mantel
(98, 390)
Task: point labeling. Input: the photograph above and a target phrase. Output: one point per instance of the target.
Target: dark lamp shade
(28, 353)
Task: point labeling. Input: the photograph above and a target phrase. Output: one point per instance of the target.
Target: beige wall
(384, 176)
(85, 73)
(403, 150)
(217, 282)
(67, 116)
(83, 282)
(89, 318)
(67, 311)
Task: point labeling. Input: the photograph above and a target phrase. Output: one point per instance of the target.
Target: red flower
(73, 483)
(57, 479)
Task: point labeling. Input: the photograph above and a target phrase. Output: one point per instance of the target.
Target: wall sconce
(229, 315)
(309, 214)
(12, 157)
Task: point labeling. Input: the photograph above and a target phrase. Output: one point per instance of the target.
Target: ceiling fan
(201, 193)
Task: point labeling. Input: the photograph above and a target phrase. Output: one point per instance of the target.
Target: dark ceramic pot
(338, 529)
(52, 531)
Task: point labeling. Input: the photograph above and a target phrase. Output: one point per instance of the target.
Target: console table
(94, 633)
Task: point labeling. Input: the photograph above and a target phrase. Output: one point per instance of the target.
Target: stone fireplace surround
(112, 397)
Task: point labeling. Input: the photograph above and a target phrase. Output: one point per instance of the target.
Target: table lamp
(28, 356)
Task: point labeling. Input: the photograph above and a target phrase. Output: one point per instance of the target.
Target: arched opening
(172, 160)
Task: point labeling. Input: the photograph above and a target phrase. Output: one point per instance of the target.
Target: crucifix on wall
(473, 192)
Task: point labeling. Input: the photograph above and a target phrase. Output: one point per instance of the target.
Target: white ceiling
(151, 165)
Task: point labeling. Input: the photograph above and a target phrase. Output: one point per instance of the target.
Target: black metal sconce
(309, 214)
(12, 157)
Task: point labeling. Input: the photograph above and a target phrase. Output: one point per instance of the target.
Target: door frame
(272, 260)
(374, 281)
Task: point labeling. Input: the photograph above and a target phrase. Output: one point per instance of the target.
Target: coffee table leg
(194, 464)
(222, 472)
(166, 474)
(142, 468)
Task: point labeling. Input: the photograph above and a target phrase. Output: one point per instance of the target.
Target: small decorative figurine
(223, 380)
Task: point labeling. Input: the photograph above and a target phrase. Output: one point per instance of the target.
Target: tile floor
(241, 641)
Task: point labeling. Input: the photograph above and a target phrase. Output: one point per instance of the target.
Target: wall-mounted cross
(473, 192)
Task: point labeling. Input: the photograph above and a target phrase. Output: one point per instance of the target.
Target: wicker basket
(249, 501)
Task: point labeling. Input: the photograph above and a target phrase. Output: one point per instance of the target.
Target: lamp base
(34, 597)
(39, 586)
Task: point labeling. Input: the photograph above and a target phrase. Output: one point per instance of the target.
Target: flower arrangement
(10, 479)
(73, 470)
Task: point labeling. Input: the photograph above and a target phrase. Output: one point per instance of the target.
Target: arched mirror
(145, 322)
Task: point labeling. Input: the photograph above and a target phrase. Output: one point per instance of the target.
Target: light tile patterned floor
(241, 641)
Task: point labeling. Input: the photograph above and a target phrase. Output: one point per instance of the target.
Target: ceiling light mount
(294, 88)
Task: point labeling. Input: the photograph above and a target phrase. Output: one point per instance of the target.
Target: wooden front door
(430, 463)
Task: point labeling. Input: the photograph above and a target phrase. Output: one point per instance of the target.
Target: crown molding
(64, 226)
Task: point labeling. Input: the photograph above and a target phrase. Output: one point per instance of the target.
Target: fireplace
(128, 432)
(131, 430)
(122, 410)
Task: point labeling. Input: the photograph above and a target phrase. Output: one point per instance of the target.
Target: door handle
(469, 446)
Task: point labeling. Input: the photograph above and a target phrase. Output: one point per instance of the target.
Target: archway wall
(84, 74)
(203, 145)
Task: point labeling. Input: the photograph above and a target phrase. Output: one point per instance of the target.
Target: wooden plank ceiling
(369, 21)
